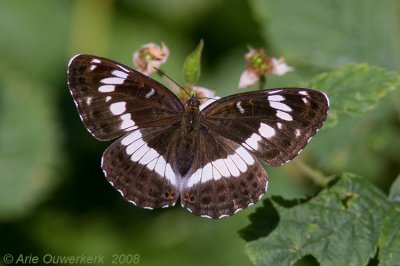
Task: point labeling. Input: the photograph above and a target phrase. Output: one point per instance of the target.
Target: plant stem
(262, 83)
(314, 175)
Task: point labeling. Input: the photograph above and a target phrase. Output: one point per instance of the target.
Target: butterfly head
(193, 102)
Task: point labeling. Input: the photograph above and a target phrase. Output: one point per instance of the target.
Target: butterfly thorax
(189, 135)
(190, 123)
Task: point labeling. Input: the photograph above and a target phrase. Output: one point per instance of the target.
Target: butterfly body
(169, 150)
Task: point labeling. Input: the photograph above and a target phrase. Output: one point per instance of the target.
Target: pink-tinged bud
(248, 78)
(258, 65)
(279, 67)
(150, 56)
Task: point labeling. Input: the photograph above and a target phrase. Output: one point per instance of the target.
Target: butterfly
(169, 150)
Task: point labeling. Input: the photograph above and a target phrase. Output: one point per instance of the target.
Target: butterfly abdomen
(189, 137)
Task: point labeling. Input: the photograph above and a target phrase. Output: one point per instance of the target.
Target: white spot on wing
(279, 125)
(112, 81)
(170, 175)
(139, 153)
(297, 132)
(127, 122)
(303, 93)
(239, 162)
(150, 93)
(95, 61)
(118, 108)
(276, 98)
(207, 173)
(106, 88)
(304, 99)
(92, 67)
(216, 174)
(89, 100)
(195, 178)
(150, 156)
(280, 106)
(253, 140)
(245, 155)
(152, 164)
(120, 74)
(108, 98)
(231, 166)
(284, 116)
(131, 138)
(160, 166)
(239, 107)
(266, 131)
(134, 146)
(220, 165)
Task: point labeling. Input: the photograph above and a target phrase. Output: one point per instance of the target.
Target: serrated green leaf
(389, 241)
(330, 33)
(340, 226)
(29, 146)
(394, 193)
(192, 67)
(354, 88)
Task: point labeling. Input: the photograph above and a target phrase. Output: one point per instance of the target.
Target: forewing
(138, 166)
(112, 98)
(224, 179)
(275, 124)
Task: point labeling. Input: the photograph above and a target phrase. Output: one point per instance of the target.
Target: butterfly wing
(224, 178)
(112, 98)
(137, 165)
(274, 125)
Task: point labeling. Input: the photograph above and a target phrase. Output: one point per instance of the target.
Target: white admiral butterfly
(170, 150)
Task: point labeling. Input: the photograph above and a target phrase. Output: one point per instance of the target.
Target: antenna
(160, 72)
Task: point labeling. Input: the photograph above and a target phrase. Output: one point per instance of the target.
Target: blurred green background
(53, 196)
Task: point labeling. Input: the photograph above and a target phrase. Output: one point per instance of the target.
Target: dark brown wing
(112, 98)
(274, 124)
(224, 179)
(138, 166)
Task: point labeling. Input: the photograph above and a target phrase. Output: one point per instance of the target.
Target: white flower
(248, 78)
(150, 56)
(279, 67)
(258, 64)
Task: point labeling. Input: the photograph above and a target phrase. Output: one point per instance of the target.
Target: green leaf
(340, 226)
(389, 241)
(29, 145)
(354, 88)
(192, 66)
(330, 33)
(394, 193)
